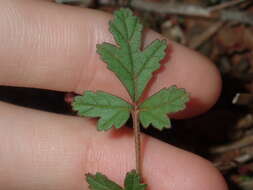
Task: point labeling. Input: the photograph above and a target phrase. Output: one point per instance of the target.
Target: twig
(171, 8)
(245, 142)
(193, 10)
(243, 99)
(244, 123)
(233, 158)
(200, 39)
(237, 16)
(81, 2)
(225, 5)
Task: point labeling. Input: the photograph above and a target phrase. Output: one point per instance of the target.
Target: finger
(49, 151)
(52, 46)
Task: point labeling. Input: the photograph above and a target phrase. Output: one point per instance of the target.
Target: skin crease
(50, 46)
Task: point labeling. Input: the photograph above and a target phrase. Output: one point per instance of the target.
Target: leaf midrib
(131, 59)
(108, 106)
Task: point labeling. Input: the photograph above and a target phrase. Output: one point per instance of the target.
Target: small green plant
(134, 68)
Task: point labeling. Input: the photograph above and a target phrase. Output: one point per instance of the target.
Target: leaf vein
(155, 116)
(112, 118)
(108, 106)
(148, 59)
(132, 35)
(161, 104)
(119, 61)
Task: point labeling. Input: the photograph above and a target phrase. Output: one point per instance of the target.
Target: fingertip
(171, 168)
(202, 81)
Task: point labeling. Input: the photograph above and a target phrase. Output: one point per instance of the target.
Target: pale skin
(50, 46)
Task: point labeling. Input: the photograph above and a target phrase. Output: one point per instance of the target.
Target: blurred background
(219, 29)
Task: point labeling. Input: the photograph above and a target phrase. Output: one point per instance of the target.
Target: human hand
(50, 46)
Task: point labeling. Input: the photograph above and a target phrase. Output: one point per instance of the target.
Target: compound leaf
(101, 182)
(133, 181)
(132, 66)
(112, 110)
(154, 110)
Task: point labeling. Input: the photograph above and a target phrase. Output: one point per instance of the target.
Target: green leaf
(154, 110)
(113, 111)
(132, 66)
(133, 181)
(101, 182)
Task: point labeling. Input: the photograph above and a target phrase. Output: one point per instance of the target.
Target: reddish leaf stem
(137, 139)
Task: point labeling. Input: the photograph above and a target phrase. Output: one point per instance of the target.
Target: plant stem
(137, 139)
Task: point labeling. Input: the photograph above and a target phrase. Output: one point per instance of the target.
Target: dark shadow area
(46, 100)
